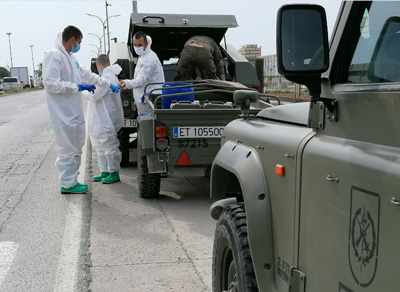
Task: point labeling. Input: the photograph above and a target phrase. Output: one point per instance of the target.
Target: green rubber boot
(77, 189)
(101, 176)
(112, 178)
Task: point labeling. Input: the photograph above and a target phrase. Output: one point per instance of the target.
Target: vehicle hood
(295, 113)
(170, 31)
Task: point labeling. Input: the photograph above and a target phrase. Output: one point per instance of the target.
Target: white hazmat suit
(61, 75)
(148, 70)
(105, 118)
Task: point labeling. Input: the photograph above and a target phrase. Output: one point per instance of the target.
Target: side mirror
(245, 98)
(302, 44)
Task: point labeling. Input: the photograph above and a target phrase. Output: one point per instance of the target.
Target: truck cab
(313, 188)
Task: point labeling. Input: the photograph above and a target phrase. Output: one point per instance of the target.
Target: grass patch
(16, 91)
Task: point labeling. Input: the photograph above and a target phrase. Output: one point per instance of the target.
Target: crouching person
(105, 119)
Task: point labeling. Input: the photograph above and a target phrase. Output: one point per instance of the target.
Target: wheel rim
(229, 280)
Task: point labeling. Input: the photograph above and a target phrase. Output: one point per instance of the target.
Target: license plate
(130, 123)
(198, 132)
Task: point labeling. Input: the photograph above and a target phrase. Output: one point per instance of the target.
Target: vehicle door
(350, 215)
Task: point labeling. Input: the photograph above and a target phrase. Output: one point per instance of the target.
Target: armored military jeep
(313, 189)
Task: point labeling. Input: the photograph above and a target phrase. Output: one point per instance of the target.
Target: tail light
(256, 86)
(161, 144)
(161, 132)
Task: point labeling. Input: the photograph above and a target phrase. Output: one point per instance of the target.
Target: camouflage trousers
(196, 57)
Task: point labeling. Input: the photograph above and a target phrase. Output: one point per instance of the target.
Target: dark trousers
(196, 57)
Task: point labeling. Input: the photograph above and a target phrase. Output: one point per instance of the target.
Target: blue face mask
(99, 72)
(76, 49)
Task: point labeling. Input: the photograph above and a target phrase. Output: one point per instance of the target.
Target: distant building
(250, 51)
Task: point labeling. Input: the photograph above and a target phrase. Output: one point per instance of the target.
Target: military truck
(313, 189)
(160, 147)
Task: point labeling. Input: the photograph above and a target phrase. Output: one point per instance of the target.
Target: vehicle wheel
(123, 137)
(232, 263)
(149, 183)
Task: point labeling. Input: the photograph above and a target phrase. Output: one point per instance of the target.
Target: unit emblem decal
(363, 235)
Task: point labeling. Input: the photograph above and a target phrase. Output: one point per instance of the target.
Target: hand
(87, 87)
(115, 88)
(122, 84)
(143, 98)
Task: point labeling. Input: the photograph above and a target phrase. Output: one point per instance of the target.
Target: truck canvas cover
(170, 31)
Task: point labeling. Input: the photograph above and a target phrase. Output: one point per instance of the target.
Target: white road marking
(21, 105)
(8, 250)
(67, 271)
(37, 100)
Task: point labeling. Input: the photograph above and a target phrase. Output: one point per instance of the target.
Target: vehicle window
(10, 80)
(377, 54)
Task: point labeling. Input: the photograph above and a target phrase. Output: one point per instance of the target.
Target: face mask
(76, 48)
(99, 72)
(139, 50)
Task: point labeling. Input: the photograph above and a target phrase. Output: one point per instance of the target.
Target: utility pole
(9, 42)
(33, 62)
(134, 7)
(108, 26)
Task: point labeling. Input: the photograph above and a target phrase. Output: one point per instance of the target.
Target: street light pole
(108, 26)
(33, 62)
(98, 49)
(9, 42)
(103, 23)
(104, 33)
(98, 38)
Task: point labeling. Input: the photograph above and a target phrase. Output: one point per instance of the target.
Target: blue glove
(87, 87)
(115, 88)
(143, 98)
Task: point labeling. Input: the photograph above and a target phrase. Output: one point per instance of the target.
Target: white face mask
(139, 50)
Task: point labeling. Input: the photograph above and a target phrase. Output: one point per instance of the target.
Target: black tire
(232, 267)
(123, 137)
(149, 183)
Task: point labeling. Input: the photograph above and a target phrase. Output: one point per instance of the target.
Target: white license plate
(198, 132)
(130, 123)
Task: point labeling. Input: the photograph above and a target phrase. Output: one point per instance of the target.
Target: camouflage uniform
(203, 53)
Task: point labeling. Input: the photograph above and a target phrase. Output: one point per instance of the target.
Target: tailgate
(195, 135)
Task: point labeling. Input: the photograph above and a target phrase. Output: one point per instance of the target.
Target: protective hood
(58, 42)
(115, 69)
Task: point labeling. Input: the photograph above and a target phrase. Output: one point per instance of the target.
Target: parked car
(11, 83)
(1, 84)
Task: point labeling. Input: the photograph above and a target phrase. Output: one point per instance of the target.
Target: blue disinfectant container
(166, 101)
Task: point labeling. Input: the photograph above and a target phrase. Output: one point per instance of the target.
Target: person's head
(72, 38)
(102, 62)
(140, 42)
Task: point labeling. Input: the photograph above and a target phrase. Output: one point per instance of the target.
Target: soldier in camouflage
(203, 53)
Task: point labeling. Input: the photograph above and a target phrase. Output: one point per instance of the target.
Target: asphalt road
(107, 240)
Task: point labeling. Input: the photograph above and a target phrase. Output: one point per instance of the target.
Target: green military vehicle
(187, 133)
(169, 32)
(313, 189)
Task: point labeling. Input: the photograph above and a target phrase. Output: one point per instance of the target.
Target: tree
(4, 72)
(40, 65)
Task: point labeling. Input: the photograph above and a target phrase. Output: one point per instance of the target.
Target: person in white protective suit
(105, 118)
(148, 70)
(63, 77)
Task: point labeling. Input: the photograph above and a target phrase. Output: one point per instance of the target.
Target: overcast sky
(37, 22)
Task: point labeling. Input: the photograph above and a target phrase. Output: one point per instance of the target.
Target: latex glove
(143, 98)
(87, 87)
(115, 88)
